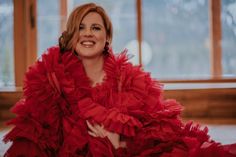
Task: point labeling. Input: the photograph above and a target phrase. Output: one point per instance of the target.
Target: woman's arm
(37, 126)
(97, 130)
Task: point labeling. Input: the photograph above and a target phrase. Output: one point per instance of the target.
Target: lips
(87, 43)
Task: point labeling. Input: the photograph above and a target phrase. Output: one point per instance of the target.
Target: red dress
(58, 99)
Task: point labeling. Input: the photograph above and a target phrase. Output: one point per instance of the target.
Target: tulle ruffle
(58, 98)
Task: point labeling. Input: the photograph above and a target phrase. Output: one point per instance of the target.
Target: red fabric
(24, 147)
(58, 99)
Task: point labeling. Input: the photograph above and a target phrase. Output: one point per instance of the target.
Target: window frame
(25, 45)
(25, 37)
(215, 35)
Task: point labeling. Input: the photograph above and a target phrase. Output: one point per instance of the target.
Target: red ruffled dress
(58, 99)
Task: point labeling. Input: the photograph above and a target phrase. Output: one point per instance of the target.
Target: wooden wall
(218, 103)
(7, 99)
(198, 103)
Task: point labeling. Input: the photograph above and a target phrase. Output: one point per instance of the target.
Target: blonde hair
(70, 36)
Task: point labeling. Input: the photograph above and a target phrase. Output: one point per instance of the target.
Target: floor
(3, 146)
(224, 133)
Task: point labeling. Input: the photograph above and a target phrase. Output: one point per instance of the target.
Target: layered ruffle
(38, 116)
(58, 98)
(112, 119)
(133, 81)
(134, 91)
(25, 148)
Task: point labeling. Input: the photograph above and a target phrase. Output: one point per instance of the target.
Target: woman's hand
(99, 131)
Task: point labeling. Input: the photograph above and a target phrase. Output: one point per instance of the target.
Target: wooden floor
(220, 130)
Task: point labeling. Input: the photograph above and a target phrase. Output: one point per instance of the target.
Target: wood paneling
(208, 103)
(7, 99)
(213, 80)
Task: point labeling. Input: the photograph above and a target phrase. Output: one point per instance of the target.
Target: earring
(106, 49)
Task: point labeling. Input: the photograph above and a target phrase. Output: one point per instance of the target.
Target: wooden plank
(25, 37)
(8, 99)
(215, 38)
(31, 29)
(19, 45)
(139, 28)
(210, 80)
(63, 14)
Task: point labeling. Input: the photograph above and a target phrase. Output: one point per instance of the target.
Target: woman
(82, 100)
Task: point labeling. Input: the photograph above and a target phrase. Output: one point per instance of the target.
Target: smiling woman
(92, 36)
(81, 100)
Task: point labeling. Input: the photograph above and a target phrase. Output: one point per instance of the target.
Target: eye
(81, 27)
(96, 28)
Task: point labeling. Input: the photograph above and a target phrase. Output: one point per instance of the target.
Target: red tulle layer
(58, 99)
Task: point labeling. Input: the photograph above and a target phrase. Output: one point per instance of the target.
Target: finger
(92, 134)
(100, 130)
(104, 131)
(91, 127)
(96, 129)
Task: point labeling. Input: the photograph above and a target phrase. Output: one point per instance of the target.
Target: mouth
(87, 43)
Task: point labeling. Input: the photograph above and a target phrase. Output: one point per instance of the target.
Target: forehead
(92, 18)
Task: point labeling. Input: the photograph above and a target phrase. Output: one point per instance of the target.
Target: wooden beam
(63, 14)
(139, 28)
(19, 37)
(25, 37)
(31, 29)
(211, 80)
(215, 38)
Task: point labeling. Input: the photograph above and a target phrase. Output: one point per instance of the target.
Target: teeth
(88, 43)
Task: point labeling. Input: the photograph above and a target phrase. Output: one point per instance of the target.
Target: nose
(87, 32)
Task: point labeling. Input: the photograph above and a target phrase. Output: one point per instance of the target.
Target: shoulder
(53, 50)
(137, 82)
(129, 75)
(50, 57)
(37, 82)
(120, 63)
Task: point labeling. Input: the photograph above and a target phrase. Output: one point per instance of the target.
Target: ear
(108, 40)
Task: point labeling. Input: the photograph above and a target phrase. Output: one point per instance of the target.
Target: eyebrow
(94, 24)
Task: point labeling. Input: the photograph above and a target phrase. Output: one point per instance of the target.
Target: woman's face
(92, 36)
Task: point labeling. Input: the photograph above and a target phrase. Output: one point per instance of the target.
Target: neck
(94, 68)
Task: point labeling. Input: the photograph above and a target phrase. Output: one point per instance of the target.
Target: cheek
(101, 37)
(77, 47)
(101, 42)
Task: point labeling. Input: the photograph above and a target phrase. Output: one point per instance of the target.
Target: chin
(87, 55)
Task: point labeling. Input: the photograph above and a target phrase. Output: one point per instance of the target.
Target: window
(176, 39)
(228, 15)
(6, 43)
(48, 23)
(123, 17)
(175, 34)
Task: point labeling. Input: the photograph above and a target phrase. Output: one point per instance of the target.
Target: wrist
(122, 144)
